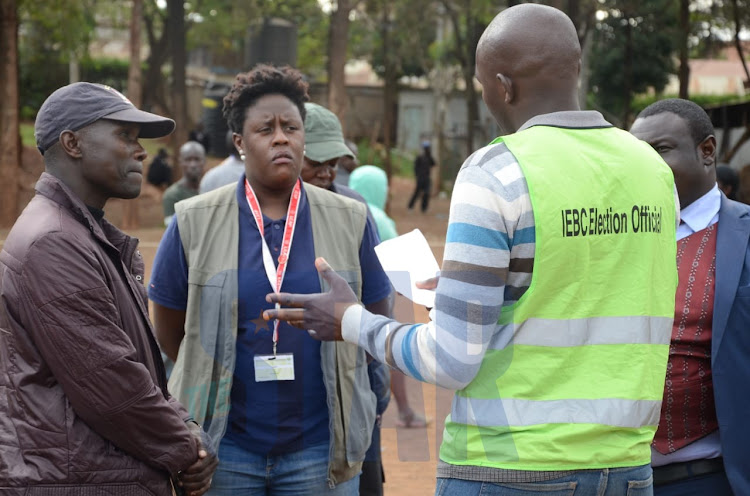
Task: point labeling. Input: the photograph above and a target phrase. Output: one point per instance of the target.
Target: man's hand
(196, 479)
(320, 313)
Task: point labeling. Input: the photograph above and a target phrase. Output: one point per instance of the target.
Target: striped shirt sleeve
(487, 264)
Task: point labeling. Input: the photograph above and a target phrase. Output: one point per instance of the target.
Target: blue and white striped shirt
(488, 263)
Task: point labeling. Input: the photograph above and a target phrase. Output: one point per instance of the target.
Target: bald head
(192, 159)
(528, 61)
(192, 147)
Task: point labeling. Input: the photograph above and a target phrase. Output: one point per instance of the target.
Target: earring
(242, 157)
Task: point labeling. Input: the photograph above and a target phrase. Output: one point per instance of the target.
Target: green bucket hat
(324, 139)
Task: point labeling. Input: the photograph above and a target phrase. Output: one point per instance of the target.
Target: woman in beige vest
(289, 414)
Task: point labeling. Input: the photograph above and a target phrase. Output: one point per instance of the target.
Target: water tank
(271, 41)
(214, 123)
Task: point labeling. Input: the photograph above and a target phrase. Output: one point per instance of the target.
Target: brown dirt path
(409, 455)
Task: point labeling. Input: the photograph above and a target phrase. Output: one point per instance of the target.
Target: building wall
(364, 119)
(418, 111)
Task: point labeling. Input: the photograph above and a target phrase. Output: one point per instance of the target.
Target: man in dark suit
(703, 437)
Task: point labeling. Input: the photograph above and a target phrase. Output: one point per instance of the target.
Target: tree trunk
(134, 70)
(583, 86)
(583, 15)
(176, 34)
(74, 68)
(390, 90)
(472, 102)
(153, 81)
(472, 109)
(10, 141)
(442, 81)
(737, 41)
(628, 74)
(338, 36)
(130, 214)
(684, 73)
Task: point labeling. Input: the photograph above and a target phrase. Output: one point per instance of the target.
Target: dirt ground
(409, 455)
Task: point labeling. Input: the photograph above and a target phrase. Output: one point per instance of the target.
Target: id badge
(270, 368)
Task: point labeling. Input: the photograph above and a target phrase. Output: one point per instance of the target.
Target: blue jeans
(302, 473)
(631, 481)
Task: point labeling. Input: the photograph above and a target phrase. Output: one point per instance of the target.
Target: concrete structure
(717, 76)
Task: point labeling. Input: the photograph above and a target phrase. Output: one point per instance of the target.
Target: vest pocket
(210, 291)
(357, 400)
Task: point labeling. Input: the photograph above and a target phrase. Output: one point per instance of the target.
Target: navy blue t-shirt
(272, 417)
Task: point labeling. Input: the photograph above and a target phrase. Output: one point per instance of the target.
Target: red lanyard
(275, 274)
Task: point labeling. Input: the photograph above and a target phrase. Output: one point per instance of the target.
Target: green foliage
(40, 77)
(27, 134)
(64, 28)
(53, 32)
(369, 154)
(640, 102)
(410, 28)
(221, 27)
(652, 30)
(109, 71)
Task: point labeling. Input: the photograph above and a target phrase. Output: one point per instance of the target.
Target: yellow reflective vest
(579, 385)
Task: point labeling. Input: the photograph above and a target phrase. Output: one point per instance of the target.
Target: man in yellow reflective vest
(556, 295)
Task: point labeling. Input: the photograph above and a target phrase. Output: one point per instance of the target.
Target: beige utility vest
(202, 376)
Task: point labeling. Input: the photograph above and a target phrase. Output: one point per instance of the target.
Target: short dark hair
(263, 80)
(727, 175)
(694, 116)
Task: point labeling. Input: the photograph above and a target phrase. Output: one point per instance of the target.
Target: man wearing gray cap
(84, 406)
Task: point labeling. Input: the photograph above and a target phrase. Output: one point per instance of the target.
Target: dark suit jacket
(730, 347)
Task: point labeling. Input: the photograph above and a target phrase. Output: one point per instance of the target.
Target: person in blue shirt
(278, 435)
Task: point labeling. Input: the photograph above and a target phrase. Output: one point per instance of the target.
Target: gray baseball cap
(324, 139)
(77, 105)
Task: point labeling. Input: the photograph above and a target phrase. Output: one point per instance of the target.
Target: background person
(549, 397)
(309, 412)
(728, 181)
(159, 172)
(701, 444)
(228, 171)
(324, 139)
(192, 160)
(347, 164)
(200, 135)
(422, 166)
(85, 407)
(372, 183)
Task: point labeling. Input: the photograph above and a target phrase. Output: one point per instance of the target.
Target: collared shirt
(272, 417)
(700, 214)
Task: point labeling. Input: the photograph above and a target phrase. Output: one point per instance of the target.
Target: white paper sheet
(408, 259)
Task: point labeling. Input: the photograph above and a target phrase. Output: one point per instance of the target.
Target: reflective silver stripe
(514, 412)
(591, 331)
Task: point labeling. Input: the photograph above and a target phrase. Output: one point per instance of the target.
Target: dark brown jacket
(83, 395)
